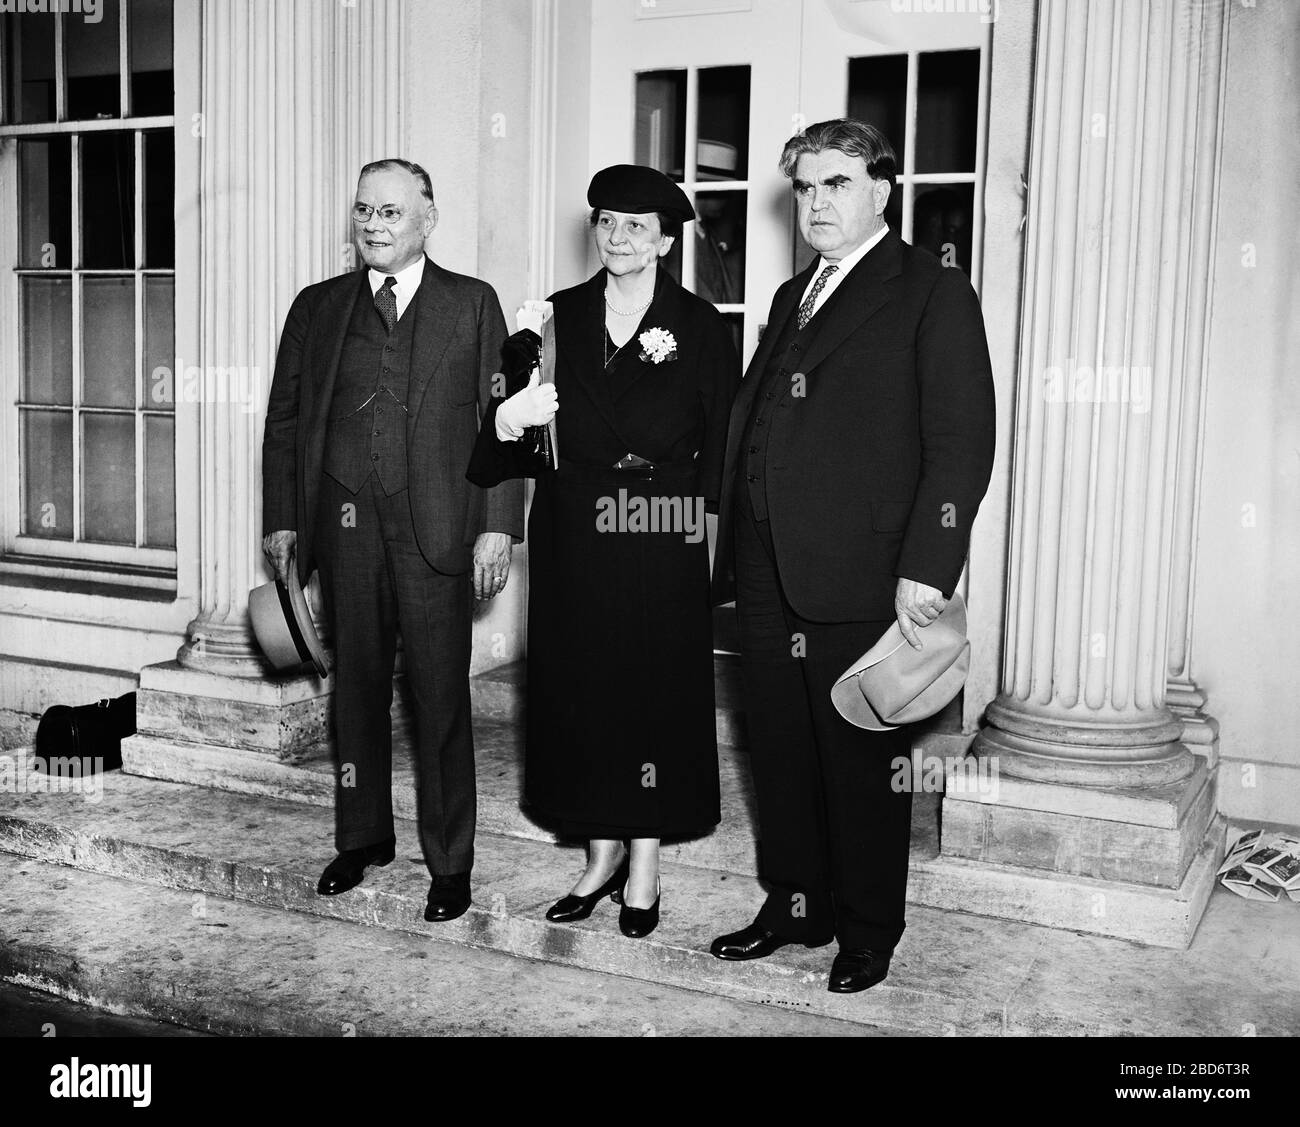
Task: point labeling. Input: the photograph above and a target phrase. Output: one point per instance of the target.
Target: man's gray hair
(854, 138)
(390, 163)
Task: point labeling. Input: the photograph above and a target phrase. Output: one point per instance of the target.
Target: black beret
(638, 190)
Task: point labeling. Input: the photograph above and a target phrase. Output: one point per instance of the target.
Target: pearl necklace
(630, 312)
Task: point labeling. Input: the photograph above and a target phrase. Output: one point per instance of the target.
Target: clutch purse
(536, 323)
(520, 354)
(534, 453)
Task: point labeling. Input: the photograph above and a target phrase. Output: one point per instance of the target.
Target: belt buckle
(634, 463)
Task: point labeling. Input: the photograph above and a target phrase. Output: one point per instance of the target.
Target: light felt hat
(283, 626)
(892, 684)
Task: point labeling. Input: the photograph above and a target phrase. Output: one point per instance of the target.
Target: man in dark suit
(380, 382)
(859, 448)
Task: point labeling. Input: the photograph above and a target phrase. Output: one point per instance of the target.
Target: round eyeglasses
(388, 214)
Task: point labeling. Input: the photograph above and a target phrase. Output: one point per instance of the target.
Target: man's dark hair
(390, 163)
(855, 138)
(668, 225)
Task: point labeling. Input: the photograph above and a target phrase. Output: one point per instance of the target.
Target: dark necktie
(386, 302)
(810, 302)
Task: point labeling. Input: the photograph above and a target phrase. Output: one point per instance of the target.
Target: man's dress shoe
(347, 869)
(752, 942)
(857, 970)
(448, 898)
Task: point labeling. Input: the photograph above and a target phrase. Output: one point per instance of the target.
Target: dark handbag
(531, 455)
(92, 733)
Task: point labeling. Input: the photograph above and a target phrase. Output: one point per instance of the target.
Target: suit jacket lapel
(437, 314)
(856, 299)
(336, 315)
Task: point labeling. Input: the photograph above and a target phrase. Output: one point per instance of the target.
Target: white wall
(1246, 640)
(1011, 97)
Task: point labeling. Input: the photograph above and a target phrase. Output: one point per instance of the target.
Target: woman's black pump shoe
(570, 908)
(636, 923)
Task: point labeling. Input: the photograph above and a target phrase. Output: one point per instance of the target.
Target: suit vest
(367, 427)
(772, 400)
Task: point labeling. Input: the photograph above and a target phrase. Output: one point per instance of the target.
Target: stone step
(1162, 916)
(499, 757)
(954, 972)
(230, 967)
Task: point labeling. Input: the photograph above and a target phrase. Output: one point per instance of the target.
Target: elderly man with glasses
(380, 382)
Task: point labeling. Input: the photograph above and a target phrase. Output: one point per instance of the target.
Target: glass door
(708, 92)
(922, 79)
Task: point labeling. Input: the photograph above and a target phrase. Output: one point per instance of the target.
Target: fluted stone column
(1098, 791)
(1183, 695)
(1122, 178)
(296, 96)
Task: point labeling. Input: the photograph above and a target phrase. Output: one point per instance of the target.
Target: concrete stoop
(1163, 916)
(180, 853)
(233, 968)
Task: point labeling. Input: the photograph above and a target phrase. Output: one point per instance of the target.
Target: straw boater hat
(283, 626)
(893, 684)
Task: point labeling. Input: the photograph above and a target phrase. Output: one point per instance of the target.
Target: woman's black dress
(621, 738)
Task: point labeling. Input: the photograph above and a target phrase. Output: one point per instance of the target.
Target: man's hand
(279, 548)
(491, 564)
(534, 406)
(916, 604)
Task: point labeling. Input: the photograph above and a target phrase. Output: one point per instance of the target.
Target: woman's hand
(535, 406)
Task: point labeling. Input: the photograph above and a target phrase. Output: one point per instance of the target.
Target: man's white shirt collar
(408, 281)
(845, 264)
(849, 261)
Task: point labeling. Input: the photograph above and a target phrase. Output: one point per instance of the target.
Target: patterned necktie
(810, 302)
(386, 302)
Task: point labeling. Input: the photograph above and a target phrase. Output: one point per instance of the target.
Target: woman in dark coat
(621, 745)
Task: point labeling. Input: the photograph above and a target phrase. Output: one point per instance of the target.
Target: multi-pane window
(693, 126)
(87, 123)
(927, 104)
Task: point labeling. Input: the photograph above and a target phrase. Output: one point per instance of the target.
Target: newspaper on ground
(1262, 866)
(1238, 880)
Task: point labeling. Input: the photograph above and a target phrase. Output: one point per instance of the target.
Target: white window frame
(691, 184)
(76, 559)
(907, 177)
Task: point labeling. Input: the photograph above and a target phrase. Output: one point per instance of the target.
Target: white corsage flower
(658, 345)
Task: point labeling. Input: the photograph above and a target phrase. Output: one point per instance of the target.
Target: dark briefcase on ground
(88, 732)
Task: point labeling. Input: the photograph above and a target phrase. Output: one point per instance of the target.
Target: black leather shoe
(448, 898)
(857, 970)
(752, 942)
(347, 869)
(571, 907)
(636, 923)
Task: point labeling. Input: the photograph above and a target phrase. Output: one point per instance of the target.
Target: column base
(286, 719)
(1145, 835)
(238, 732)
(1200, 730)
(1137, 863)
(1160, 917)
(1084, 755)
